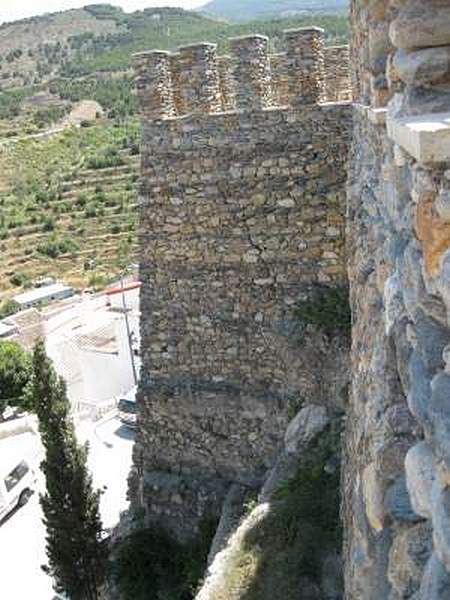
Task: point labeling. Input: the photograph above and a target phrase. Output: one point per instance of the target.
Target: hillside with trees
(68, 200)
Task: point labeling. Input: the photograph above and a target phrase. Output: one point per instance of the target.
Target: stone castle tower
(242, 211)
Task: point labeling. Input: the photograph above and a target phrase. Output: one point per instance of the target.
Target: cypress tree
(76, 557)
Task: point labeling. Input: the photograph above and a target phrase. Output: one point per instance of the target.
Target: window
(16, 475)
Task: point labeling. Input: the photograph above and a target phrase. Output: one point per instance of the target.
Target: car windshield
(16, 475)
(127, 406)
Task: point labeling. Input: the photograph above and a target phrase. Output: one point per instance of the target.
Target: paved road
(22, 535)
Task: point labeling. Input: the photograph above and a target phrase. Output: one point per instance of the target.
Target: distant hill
(102, 38)
(243, 10)
(50, 61)
(33, 49)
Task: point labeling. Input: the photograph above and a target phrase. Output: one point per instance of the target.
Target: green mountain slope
(239, 10)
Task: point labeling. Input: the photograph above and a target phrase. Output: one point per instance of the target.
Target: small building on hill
(85, 111)
(44, 295)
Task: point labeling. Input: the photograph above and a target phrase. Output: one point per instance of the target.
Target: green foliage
(20, 279)
(106, 158)
(303, 526)
(8, 308)
(308, 514)
(55, 246)
(82, 199)
(150, 564)
(48, 116)
(76, 556)
(10, 101)
(98, 281)
(328, 309)
(15, 370)
(49, 224)
(113, 94)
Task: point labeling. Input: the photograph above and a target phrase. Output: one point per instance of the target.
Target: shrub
(53, 247)
(90, 211)
(8, 308)
(150, 564)
(107, 158)
(49, 224)
(100, 196)
(328, 309)
(81, 200)
(20, 279)
(97, 281)
(288, 547)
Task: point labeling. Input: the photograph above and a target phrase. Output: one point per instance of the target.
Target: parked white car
(128, 408)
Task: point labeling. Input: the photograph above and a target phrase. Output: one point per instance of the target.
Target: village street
(22, 535)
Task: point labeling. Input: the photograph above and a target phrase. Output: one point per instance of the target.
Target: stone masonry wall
(337, 74)
(397, 495)
(241, 213)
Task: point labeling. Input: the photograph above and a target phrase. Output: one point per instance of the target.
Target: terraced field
(68, 206)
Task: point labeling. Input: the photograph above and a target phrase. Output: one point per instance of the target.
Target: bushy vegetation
(55, 246)
(20, 279)
(8, 308)
(282, 555)
(328, 309)
(113, 94)
(10, 101)
(15, 371)
(150, 564)
(48, 116)
(106, 158)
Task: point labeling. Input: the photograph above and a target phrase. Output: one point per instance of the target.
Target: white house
(43, 295)
(89, 345)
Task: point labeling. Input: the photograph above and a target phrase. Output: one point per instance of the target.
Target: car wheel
(24, 497)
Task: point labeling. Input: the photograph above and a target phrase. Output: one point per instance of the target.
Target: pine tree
(76, 558)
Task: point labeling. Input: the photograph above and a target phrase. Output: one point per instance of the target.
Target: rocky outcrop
(249, 566)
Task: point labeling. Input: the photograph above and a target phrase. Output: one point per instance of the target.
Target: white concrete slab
(425, 137)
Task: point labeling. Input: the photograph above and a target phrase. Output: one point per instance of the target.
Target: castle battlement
(195, 80)
(242, 210)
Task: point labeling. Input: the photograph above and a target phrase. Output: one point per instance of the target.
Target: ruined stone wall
(241, 213)
(397, 497)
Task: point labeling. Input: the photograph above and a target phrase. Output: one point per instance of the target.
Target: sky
(20, 9)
